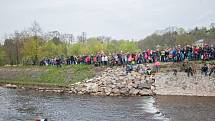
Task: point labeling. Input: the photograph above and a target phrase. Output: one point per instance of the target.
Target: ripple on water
(19, 105)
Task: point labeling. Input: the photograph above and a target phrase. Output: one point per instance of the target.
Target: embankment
(107, 81)
(115, 82)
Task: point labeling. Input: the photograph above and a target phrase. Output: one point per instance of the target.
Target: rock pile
(115, 82)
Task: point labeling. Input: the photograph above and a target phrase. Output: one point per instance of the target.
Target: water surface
(20, 105)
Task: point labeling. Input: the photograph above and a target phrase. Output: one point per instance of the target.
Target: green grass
(50, 76)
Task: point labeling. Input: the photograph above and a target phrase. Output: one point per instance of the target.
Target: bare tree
(17, 38)
(71, 38)
(104, 39)
(36, 30)
(82, 38)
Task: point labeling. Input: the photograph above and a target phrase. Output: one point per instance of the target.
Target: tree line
(29, 47)
(172, 36)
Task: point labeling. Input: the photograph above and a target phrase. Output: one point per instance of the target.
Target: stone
(100, 83)
(134, 85)
(70, 92)
(108, 91)
(108, 81)
(145, 92)
(124, 91)
(121, 77)
(137, 81)
(40, 88)
(134, 73)
(121, 86)
(131, 77)
(91, 87)
(149, 81)
(144, 86)
(134, 91)
(12, 86)
(113, 81)
(77, 83)
(130, 86)
(90, 80)
(116, 91)
(153, 88)
(72, 85)
(113, 86)
(80, 93)
(129, 82)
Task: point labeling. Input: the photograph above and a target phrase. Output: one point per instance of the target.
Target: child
(205, 69)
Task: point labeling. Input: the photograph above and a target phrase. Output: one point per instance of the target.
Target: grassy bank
(46, 76)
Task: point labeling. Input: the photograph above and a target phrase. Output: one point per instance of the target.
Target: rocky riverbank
(111, 82)
(115, 82)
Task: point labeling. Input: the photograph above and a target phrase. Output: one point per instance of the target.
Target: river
(20, 105)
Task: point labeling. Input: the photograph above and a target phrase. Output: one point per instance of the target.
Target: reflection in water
(19, 105)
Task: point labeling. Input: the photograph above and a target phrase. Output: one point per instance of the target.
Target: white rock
(11, 86)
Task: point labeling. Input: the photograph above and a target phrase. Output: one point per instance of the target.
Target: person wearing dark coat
(212, 69)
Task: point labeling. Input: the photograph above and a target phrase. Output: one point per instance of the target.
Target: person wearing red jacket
(196, 52)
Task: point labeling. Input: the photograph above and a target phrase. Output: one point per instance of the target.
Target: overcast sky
(120, 19)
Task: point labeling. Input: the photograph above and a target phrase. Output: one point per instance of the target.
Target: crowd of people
(177, 54)
(206, 69)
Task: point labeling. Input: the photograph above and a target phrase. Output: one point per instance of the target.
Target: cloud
(125, 19)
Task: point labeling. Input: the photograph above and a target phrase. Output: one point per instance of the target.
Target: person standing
(188, 68)
(212, 69)
(205, 70)
(189, 71)
(105, 60)
(157, 66)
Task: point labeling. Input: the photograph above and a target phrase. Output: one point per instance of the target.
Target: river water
(20, 105)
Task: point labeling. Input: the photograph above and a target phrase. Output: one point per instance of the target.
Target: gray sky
(120, 19)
